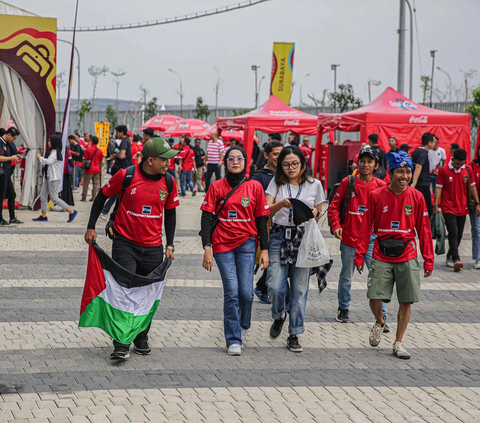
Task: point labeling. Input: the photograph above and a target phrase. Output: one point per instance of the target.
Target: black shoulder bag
(88, 163)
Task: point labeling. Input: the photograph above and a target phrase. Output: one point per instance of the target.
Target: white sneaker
(375, 334)
(449, 262)
(244, 334)
(234, 349)
(104, 216)
(477, 264)
(400, 351)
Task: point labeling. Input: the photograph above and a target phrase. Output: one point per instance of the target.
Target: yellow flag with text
(282, 71)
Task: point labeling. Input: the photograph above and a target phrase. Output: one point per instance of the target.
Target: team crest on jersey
(465, 178)
(408, 209)
(245, 201)
(163, 195)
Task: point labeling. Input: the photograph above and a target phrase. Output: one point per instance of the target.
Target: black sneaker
(276, 328)
(120, 353)
(292, 343)
(142, 348)
(265, 299)
(15, 221)
(342, 316)
(3, 222)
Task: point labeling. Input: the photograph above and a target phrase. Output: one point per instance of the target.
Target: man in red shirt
(137, 244)
(348, 230)
(187, 167)
(454, 184)
(95, 156)
(307, 151)
(396, 212)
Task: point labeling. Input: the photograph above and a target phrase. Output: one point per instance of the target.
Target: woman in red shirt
(240, 208)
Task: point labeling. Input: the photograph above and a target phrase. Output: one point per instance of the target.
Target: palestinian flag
(117, 301)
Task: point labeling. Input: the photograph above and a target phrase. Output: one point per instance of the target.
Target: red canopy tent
(188, 127)
(161, 122)
(226, 135)
(273, 116)
(393, 115)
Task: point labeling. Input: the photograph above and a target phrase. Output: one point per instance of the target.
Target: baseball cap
(158, 147)
(129, 134)
(367, 151)
(405, 147)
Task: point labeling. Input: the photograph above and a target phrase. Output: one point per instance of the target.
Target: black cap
(301, 212)
(367, 151)
(405, 147)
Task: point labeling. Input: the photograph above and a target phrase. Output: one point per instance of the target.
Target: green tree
(426, 87)
(201, 110)
(151, 109)
(86, 107)
(112, 117)
(474, 110)
(344, 98)
(240, 112)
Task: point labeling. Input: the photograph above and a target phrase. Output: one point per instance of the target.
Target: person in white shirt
(437, 157)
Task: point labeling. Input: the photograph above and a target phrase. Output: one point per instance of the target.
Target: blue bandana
(400, 159)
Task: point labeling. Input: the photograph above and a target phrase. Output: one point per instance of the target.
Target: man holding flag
(146, 193)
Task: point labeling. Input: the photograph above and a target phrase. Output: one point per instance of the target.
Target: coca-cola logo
(403, 104)
(418, 119)
(294, 122)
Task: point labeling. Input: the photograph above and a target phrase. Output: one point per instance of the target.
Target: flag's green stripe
(122, 326)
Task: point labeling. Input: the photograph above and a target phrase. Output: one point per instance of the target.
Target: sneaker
(342, 316)
(276, 328)
(262, 296)
(72, 216)
(477, 264)
(293, 345)
(449, 262)
(41, 219)
(104, 216)
(142, 348)
(83, 200)
(400, 351)
(376, 334)
(194, 193)
(457, 266)
(120, 353)
(244, 334)
(234, 349)
(15, 221)
(4, 223)
(386, 328)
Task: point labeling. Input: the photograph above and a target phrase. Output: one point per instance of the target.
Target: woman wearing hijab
(52, 178)
(292, 180)
(474, 219)
(234, 216)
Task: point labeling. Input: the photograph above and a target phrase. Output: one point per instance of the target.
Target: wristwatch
(171, 247)
(477, 204)
(207, 245)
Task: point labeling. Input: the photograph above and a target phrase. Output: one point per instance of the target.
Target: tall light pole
(255, 68)
(374, 83)
(180, 93)
(260, 85)
(301, 82)
(449, 83)
(410, 86)
(401, 50)
(432, 54)
(216, 89)
(334, 68)
(78, 70)
(117, 76)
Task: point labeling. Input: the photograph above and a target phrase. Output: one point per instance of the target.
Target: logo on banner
(402, 104)
(295, 122)
(418, 119)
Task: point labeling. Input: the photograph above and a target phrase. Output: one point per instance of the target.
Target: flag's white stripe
(138, 301)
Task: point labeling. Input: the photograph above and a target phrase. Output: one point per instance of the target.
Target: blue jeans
(433, 181)
(475, 223)
(347, 255)
(78, 175)
(236, 269)
(108, 205)
(186, 177)
(277, 287)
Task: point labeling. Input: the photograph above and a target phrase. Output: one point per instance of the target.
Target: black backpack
(109, 231)
(344, 204)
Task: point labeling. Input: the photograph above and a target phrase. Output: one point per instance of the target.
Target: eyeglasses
(293, 165)
(235, 159)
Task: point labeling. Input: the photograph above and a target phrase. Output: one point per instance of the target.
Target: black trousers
(425, 190)
(262, 283)
(211, 169)
(139, 260)
(7, 191)
(455, 225)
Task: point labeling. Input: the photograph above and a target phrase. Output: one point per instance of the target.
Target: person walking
(292, 180)
(94, 157)
(381, 171)
(77, 158)
(396, 213)
(436, 159)
(421, 176)
(214, 159)
(137, 242)
(345, 214)
(187, 167)
(240, 208)
(455, 186)
(53, 166)
(474, 219)
(199, 163)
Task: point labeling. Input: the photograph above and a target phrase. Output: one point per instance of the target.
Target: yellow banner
(282, 71)
(102, 132)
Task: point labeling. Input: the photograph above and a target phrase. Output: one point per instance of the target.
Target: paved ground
(51, 371)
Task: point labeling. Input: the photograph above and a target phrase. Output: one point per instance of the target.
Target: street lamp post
(372, 82)
(432, 54)
(449, 83)
(260, 84)
(78, 69)
(217, 87)
(334, 68)
(301, 83)
(255, 68)
(180, 93)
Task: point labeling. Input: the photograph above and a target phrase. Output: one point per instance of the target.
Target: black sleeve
(423, 158)
(124, 145)
(97, 207)
(262, 231)
(205, 231)
(170, 224)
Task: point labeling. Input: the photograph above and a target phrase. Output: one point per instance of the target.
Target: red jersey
(187, 156)
(83, 144)
(453, 182)
(134, 149)
(237, 218)
(96, 157)
(475, 174)
(356, 207)
(140, 215)
(398, 217)
(172, 160)
(307, 152)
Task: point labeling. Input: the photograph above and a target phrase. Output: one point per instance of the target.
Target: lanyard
(290, 212)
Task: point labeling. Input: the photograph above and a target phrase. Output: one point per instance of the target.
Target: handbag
(88, 163)
(313, 250)
(391, 247)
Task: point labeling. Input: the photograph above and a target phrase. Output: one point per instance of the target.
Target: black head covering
(56, 143)
(234, 179)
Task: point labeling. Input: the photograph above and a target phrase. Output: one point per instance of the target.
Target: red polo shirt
(453, 182)
(96, 157)
(187, 156)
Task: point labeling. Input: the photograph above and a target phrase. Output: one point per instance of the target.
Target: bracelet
(171, 247)
(207, 245)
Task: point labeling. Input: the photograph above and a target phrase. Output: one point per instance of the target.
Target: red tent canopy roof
(160, 122)
(273, 116)
(188, 127)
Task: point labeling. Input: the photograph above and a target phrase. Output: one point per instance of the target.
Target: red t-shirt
(475, 174)
(237, 218)
(398, 217)
(172, 160)
(83, 144)
(134, 149)
(356, 207)
(96, 157)
(307, 152)
(453, 182)
(187, 156)
(140, 215)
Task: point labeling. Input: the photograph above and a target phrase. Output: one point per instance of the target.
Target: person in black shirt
(421, 176)
(381, 171)
(392, 143)
(199, 162)
(261, 161)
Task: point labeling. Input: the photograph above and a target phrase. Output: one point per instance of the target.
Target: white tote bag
(313, 249)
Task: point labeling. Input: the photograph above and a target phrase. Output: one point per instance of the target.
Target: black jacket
(264, 176)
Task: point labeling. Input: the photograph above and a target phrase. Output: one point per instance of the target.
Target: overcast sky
(359, 35)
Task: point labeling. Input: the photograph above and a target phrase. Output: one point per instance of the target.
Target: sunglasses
(235, 159)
